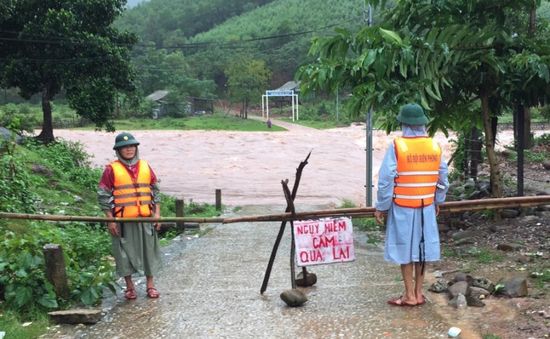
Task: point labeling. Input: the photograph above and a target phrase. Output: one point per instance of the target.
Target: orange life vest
(417, 171)
(132, 197)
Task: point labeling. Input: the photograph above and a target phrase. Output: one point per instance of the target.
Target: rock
(498, 228)
(546, 164)
(309, 280)
(42, 170)
(474, 301)
(465, 241)
(294, 297)
(515, 287)
(483, 283)
(439, 286)
(457, 288)
(459, 301)
(76, 316)
(523, 259)
(464, 235)
(454, 332)
(6, 134)
(443, 228)
(461, 276)
(478, 292)
(508, 247)
(529, 219)
(509, 213)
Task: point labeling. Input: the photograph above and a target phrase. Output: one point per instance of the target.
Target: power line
(44, 39)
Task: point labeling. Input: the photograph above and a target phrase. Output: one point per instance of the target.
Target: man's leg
(151, 290)
(129, 282)
(407, 272)
(418, 283)
(130, 292)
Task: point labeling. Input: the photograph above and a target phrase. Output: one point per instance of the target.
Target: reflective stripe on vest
(132, 197)
(417, 171)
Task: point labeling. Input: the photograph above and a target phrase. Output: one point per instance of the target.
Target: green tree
(247, 79)
(451, 56)
(50, 45)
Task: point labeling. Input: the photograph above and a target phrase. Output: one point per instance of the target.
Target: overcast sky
(132, 3)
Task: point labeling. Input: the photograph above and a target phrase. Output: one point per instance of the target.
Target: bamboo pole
(448, 207)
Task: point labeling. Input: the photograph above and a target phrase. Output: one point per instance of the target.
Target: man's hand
(380, 216)
(156, 223)
(436, 210)
(113, 229)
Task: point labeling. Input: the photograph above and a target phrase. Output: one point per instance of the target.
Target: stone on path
(76, 316)
(294, 297)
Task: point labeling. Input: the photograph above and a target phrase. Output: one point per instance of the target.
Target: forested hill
(165, 22)
(213, 33)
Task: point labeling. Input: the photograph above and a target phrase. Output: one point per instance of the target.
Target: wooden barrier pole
(218, 199)
(448, 207)
(55, 269)
(180, 213)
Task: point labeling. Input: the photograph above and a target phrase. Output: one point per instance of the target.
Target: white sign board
(279, 93)
(323, 241)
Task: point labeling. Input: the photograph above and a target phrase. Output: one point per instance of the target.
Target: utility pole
(369, 148)
(337, 106)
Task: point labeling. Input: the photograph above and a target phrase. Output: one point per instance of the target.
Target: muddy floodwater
(248, 166)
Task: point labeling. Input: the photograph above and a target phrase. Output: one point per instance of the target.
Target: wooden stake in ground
(283, 225)
(292, 297)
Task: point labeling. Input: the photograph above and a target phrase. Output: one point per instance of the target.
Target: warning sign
(324, 241)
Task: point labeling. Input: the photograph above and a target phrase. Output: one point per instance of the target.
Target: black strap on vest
(422, 245)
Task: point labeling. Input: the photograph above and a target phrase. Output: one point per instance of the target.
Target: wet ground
(210, 285)
(210, 289)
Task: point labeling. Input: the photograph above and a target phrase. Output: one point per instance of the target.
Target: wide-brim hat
(124, 139)
(412, 114)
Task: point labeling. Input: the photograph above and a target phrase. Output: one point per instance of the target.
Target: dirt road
(248, 166)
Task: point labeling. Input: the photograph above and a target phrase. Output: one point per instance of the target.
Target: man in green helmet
(129, 189)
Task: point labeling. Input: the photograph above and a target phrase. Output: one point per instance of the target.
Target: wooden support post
(55, 269)
(218, 199)
(180, 212)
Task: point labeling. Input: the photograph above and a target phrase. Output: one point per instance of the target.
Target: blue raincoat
(404, 224)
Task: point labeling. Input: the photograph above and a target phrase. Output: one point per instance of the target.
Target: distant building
(160, 105)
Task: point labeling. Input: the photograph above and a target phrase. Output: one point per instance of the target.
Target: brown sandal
(130, 294)
(153, 293)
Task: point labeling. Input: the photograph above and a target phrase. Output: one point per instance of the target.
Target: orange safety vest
(417, 171)
(132, 196)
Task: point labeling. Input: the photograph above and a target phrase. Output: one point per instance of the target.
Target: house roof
(157, 95)
(290, 85)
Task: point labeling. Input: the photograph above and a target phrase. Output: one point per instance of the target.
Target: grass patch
(541, 278)
(14, 327)
(366, 224)
(490, 336)
(215, 122)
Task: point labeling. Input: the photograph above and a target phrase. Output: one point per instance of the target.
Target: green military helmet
(412, 114)
(124, 139)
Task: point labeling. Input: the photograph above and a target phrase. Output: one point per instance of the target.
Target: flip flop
(152, 293)
(400, 302)
(422, 302)
(130, 294)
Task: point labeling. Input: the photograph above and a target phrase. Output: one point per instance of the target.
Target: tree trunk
(475, 152)
(46, 135)
(528, 138)
(246, 108)
(496, 184)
